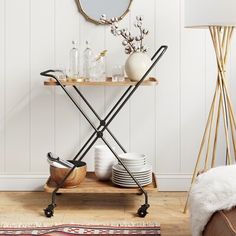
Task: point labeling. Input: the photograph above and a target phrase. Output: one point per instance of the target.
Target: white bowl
(103, 174)
(132, 156)
(103, 153)
(103, 166)
(104, 161)
(145, 168)
(104, 157)
(134, 162)
(102, 148)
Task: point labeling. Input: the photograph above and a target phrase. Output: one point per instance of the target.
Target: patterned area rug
(75, 229)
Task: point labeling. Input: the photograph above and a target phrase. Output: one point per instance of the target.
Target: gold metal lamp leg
(221, 38)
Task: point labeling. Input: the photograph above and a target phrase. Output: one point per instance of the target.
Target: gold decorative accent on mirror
(92, 10)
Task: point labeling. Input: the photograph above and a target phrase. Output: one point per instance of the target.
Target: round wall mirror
(93, 9)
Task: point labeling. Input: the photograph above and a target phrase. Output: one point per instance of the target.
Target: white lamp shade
(204, 13)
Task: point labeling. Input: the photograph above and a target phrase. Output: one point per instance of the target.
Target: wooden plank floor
(26, 208)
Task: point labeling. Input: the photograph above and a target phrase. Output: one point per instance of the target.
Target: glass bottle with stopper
(101, 66)
(98, 68)
(74, 62)
(88, 57)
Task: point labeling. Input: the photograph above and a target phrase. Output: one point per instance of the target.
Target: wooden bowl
(75, 178)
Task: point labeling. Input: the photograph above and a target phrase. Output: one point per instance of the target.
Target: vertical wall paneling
(165, 122)
(155, 92)
(2, 85)
(66, 115)
(192, 93)
(142, 120)
(17, 86)
(116, 56)
(95, 95)
(168, 96)
(42, 58)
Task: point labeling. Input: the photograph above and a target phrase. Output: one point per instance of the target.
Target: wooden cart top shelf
(149, 82)
(92, 185)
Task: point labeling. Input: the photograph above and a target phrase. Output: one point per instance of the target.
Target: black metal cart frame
(103, 126)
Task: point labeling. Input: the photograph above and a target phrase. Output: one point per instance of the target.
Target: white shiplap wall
(165, 122)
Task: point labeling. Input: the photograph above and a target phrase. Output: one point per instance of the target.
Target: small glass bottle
(101, 66)
(74, 61)
(87, 61)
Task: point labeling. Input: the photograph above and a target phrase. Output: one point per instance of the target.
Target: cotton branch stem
(141, 35)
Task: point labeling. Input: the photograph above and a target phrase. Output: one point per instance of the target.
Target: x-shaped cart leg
(98, 132)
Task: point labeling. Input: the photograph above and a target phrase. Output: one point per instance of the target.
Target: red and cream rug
(76, 229)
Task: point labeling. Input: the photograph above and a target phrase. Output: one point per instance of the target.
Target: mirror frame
(97, 22)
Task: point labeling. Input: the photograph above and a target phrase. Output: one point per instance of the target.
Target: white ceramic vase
(136, 65)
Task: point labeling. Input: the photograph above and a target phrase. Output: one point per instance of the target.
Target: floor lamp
(219, 16)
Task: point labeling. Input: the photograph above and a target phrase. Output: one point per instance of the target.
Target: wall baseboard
(22, 182)
(166, 182)
(173, 182)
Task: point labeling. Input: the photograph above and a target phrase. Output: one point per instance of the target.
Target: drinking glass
(118, 74)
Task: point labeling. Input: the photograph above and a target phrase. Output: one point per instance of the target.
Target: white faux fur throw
(213, 190)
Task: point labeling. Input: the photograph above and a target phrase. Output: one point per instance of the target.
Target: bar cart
(91, 185)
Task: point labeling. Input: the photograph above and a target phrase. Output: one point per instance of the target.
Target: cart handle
(163, 48)
(47, 73)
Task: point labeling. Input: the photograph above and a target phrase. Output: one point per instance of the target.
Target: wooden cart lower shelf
(92, 185)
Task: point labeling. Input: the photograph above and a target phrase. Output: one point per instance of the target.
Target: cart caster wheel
(142, 211)
(49, 211)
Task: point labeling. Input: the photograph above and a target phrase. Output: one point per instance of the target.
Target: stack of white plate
(137, 164)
